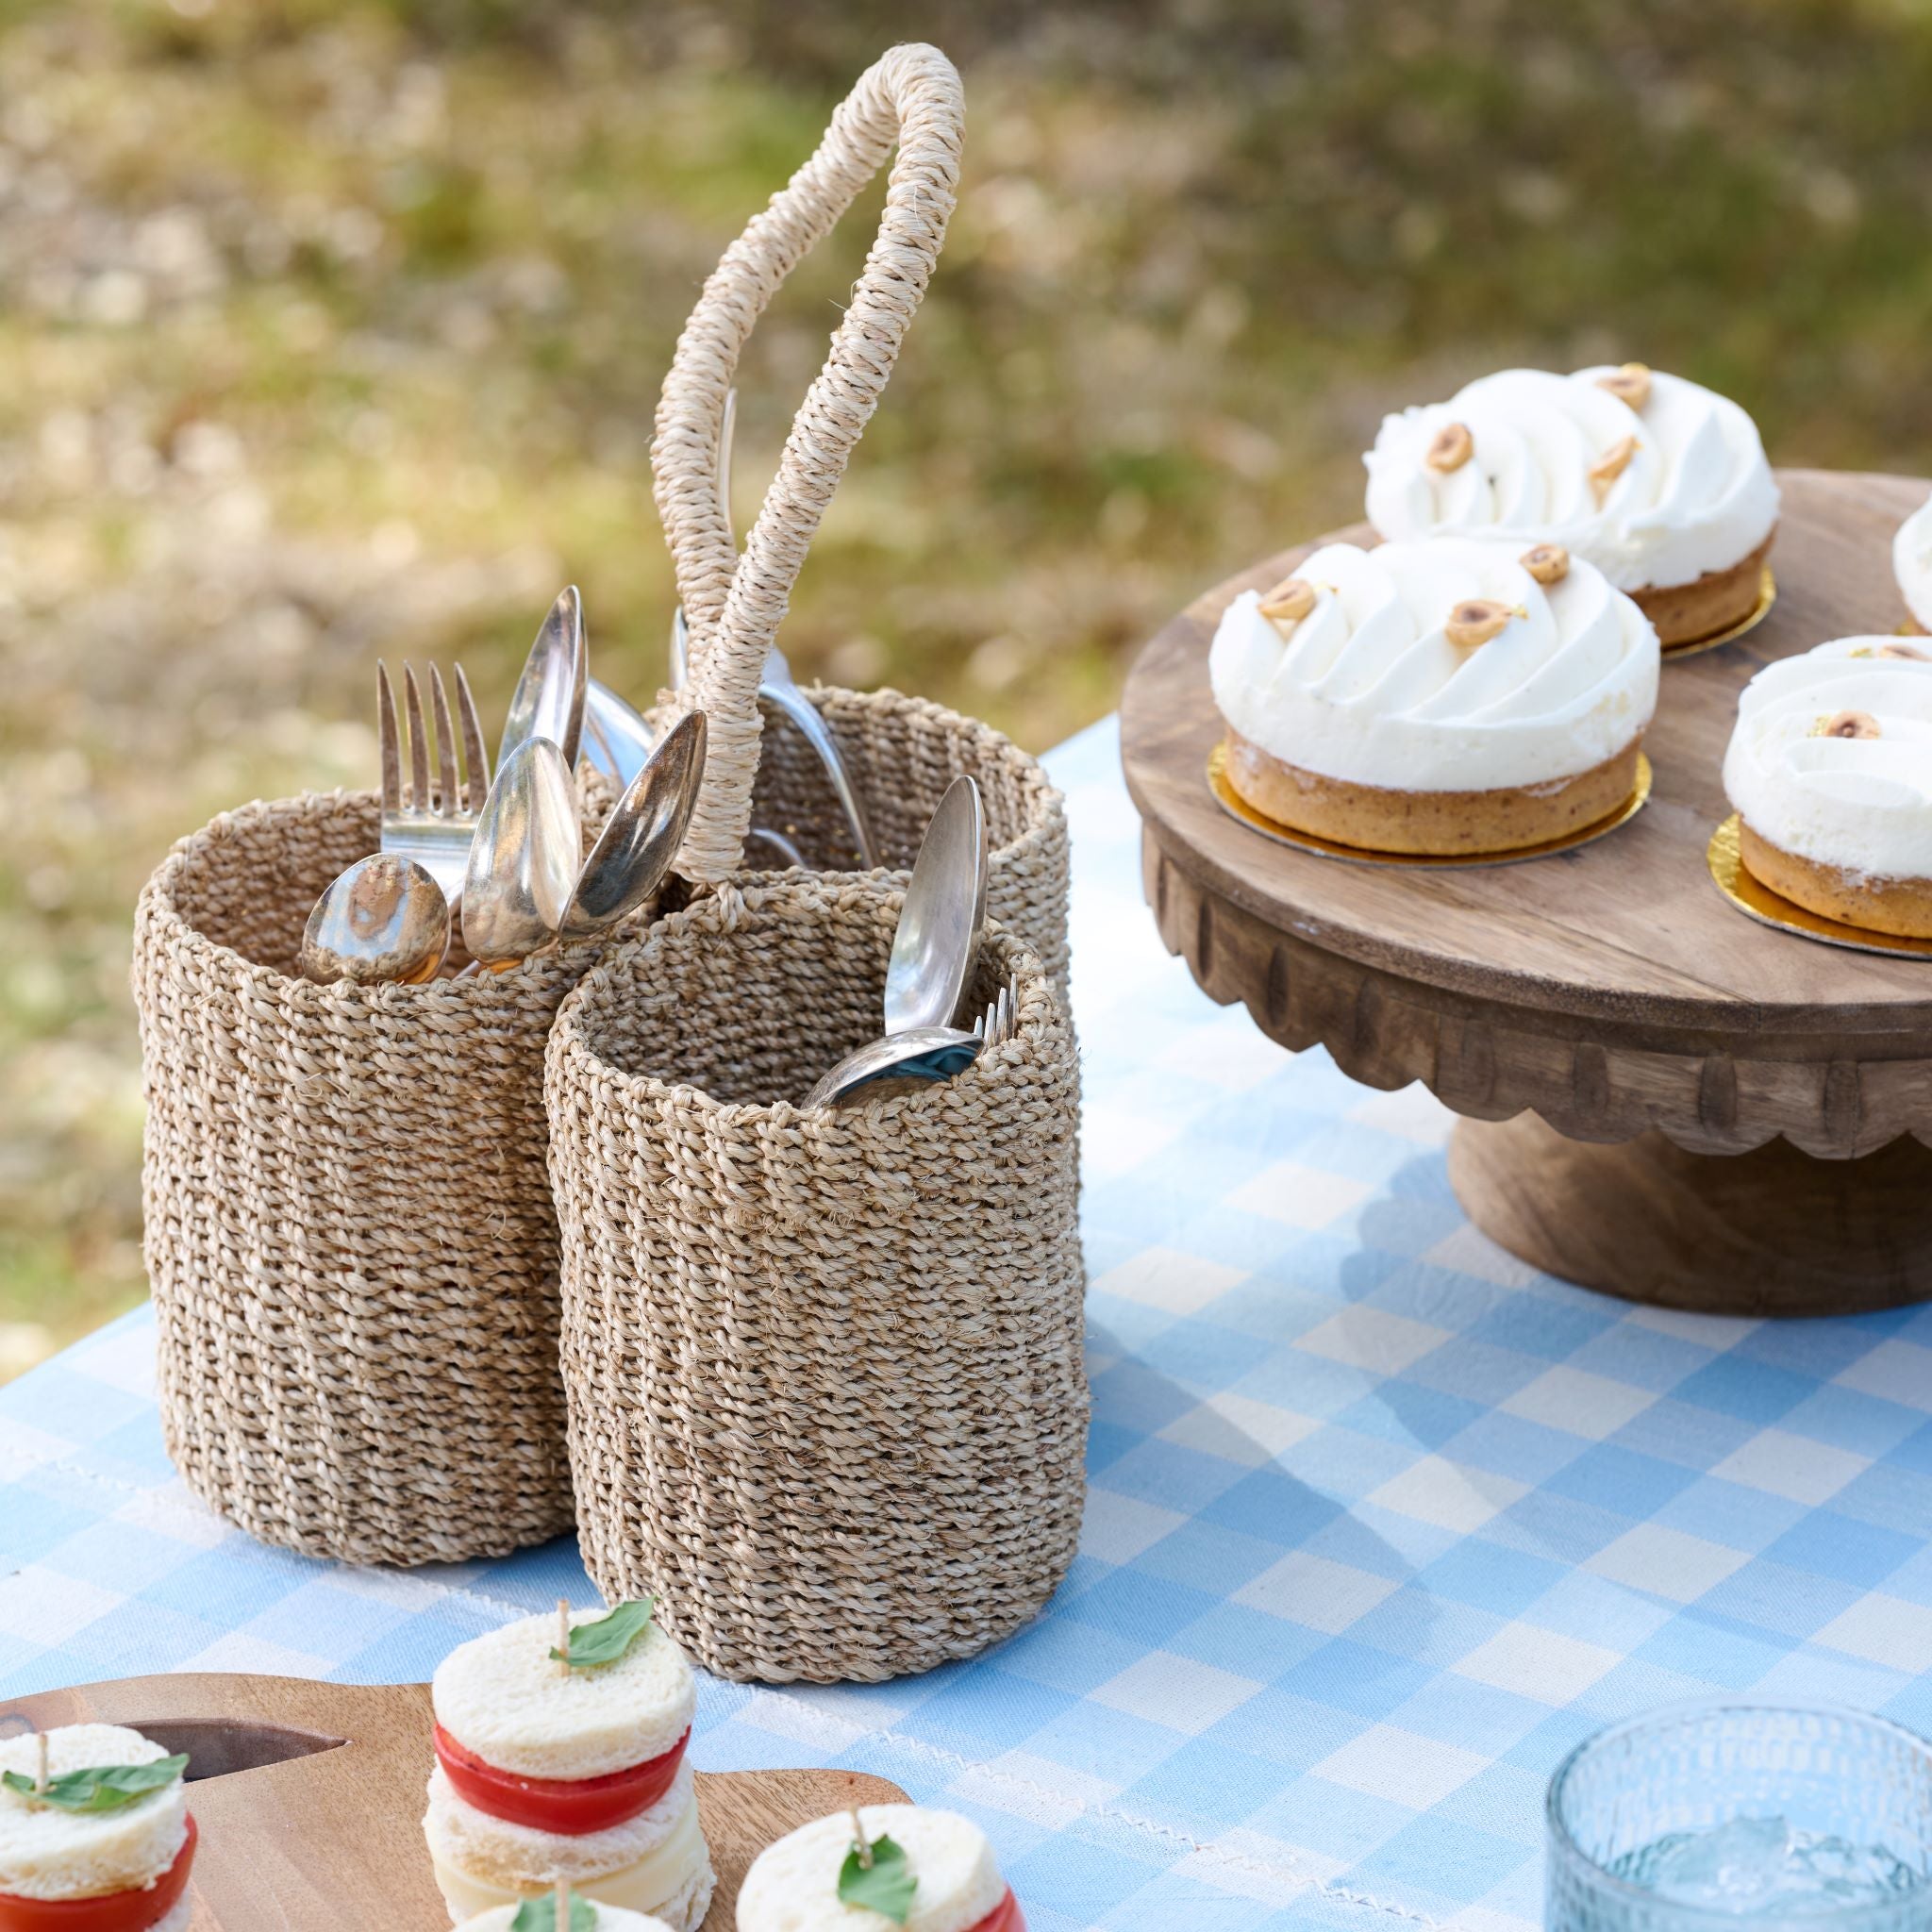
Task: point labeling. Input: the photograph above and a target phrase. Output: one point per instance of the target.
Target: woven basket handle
(734, 606)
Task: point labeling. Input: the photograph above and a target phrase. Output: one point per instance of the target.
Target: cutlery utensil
(937, 942)
(922, 1053)
(525, 857)
(548, 701)
(431, 823)
(384, 919)
(997, 1025)
(640, 838)
(782, 847)
(778, 687)
(617, 736)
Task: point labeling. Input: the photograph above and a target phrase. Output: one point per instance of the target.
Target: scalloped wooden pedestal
(1662, 1098)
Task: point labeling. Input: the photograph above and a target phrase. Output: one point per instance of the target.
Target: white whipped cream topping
(1861, 803)
(1911, 562)
(1367, 687)
(1697, 496)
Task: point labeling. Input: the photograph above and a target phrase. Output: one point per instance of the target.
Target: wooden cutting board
(309, 1797)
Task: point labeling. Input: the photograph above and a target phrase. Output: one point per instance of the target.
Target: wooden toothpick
(561, 1913)
(41, 1770)
(860, 1839)
(563, 1634)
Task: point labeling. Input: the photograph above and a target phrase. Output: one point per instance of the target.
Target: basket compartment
(824, 1371)
(349, 1231)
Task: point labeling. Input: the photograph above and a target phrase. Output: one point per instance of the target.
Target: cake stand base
(1772, 1232)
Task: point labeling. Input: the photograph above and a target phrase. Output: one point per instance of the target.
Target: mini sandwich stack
(925, 1871)
(546, 1915)
(560, 1756)
(94, 1833)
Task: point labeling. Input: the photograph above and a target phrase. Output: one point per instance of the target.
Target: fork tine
(419, 740)
(445, 746)
(476, 760)
(386, 735)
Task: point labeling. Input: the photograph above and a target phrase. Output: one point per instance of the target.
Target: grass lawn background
(328, 330)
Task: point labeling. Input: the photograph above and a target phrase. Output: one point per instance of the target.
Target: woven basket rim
(572, 1055)
(1044, 799)
(160, 921)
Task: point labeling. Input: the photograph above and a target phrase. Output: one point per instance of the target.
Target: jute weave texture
(348, 1222)
(825, 1370)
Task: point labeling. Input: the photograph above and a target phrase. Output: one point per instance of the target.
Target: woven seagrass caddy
(825, 1373)
(902, 753)
(349, 1229)
(825, 1370)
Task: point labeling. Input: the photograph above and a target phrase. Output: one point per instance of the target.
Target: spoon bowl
(920, 1052)
(384, 919)
(937, 942)
(617, 736)
(525, 857)
(641, 838)
(548, 701)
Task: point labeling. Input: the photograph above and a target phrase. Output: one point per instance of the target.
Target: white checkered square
(1791, 1466)
(1178, 1691)
(1449, 1494)
(1667, 1562)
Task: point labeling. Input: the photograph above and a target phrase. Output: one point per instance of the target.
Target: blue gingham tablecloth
(1381, 1522)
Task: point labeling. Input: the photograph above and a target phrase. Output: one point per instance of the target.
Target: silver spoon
(525, 857)
(384, 919)
(548, 701)
(641, 838)
(617, 736)
(923, 1053)
(936, 945)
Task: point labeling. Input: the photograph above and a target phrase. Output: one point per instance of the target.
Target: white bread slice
(49, 1854)
(794, 1885)
(518, 1858)
(683, 1910)
(503, 1696)
(609, 1918)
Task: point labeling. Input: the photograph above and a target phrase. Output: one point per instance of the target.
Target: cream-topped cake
(941, 1865)
(79, 1840)
(1442, 697)
(549, 1771)
(1663, 484)
(1830, 773)
(1911, 564)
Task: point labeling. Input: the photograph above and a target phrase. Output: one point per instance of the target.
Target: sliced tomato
(1005, 1917)
(572, 1805)
(112, 1911)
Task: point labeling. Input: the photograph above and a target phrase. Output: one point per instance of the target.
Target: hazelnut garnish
(1476, 620)
(1452, 446)
(1611, 465)
(1629, 384)
(1290, 601)
(1848, 724)
(1548, 563)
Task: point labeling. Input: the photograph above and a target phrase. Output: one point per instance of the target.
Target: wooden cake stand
(1659, 1097)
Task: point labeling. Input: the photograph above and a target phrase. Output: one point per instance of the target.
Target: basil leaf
(101, 1786)
(886, 1885)
(540, 1915)
(608, 1638)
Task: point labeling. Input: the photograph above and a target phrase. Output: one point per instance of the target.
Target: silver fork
(995, 1025)
(431, 824)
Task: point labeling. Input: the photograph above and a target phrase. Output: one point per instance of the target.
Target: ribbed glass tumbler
(1730, 1815)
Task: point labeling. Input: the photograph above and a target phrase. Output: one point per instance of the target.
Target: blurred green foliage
(332, 328)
